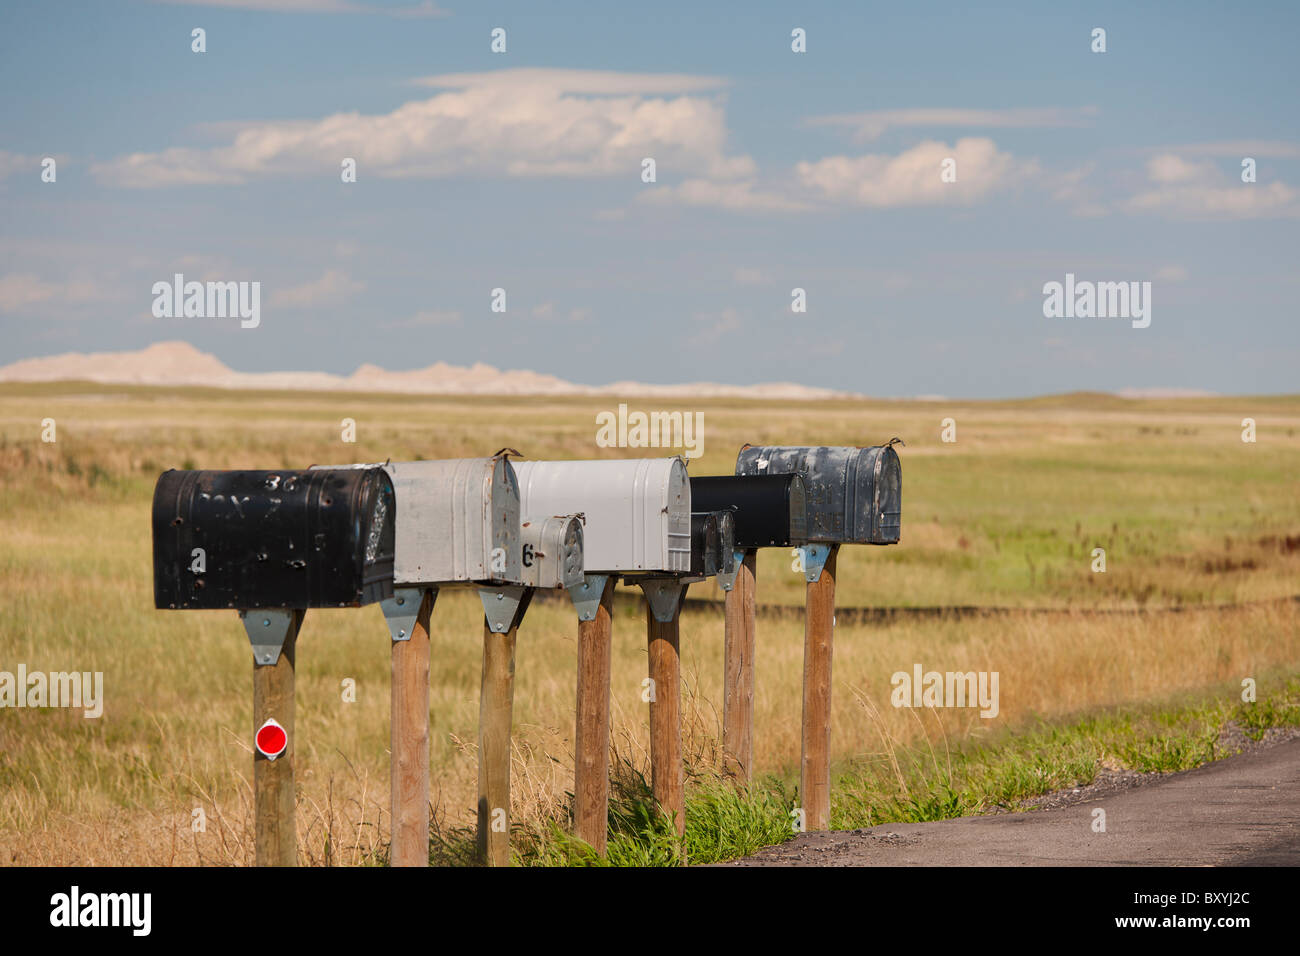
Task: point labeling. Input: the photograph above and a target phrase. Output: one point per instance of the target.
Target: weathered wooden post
(637, 525)
(457, 526)
(854, 496)
(594, 600)
(769, 511)
(408, 613)
(271, 544)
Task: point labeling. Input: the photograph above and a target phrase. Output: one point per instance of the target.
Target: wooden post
(409, 765)
(591, 737)
(667, 777)
(738, 674)
(496, 702)
(275, 830)
(815, 769)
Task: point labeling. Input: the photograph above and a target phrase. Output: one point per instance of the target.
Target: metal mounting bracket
(267, 630)
(728, 581)
(504, 606)
(586, 596)
(815, 557)
(663, 595)
(401, 610)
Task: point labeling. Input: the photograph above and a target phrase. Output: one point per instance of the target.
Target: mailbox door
(272, 539)
(552, 552)
(705, 543)
(457, 522)
(854, 495)
(769, 510)
(636, 512)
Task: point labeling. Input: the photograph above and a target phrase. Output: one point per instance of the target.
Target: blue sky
(775, 170)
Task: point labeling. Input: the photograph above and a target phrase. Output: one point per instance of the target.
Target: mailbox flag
(271, 739)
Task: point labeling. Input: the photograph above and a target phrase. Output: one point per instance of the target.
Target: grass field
(1138, 666)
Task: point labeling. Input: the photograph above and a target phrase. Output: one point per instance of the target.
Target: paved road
(1238, 811)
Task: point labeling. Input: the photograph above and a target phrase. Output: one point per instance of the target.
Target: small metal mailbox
(552, 552)
(636, 512)
(272, 539)
(712, 543)
(769, 510)
(457, 521)
(854, 495)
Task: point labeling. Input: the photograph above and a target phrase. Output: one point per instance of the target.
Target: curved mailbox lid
(273, 539)
(854, 494)
(636, 512)
(552, 551)
(769, 510)
(713, 543)
(706, 544)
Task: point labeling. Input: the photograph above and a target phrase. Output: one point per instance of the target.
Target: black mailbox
(273, 539)
(712, 543)
(769, 510)
(854, 495)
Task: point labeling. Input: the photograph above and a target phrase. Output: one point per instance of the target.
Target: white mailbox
(636, 512)
(551, 553)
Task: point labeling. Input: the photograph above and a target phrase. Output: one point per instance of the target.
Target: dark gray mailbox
(769, 510)
(272, 539)
(854, 495)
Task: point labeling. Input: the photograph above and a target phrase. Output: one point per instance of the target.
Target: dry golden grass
(1008, 516)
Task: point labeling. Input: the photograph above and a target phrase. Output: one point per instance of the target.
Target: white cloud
(505, 123)
(1188, 190)
(330, 287)
(745, 275)
(872, 124)
(1171, 274)
(913, 176)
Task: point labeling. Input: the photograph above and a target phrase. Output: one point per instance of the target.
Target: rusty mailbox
(272, 539)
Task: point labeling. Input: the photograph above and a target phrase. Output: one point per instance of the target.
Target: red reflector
(271, 739)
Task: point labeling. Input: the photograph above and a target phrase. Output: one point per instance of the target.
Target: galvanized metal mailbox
(272, 539)
(636, 512)
(552, 550)
(457, 521)
(769, 510)
(854, 495)
(712, 543)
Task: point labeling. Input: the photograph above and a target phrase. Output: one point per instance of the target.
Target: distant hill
(179, 363)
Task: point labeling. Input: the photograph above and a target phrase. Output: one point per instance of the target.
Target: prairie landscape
(1140, 666)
